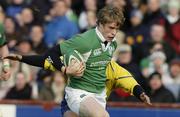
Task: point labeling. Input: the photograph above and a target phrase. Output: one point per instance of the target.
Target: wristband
(137, 91)
(6, 66)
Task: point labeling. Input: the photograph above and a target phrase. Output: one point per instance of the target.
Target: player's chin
(110, 39)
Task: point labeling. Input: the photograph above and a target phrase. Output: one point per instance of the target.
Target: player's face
(109, 30)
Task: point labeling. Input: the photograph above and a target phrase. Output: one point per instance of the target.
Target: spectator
(25, 21)
(154, 14)
(70, 13)
(91, 19)
(37, 38)
(3, 4)
(13, 36)
(118, 3)
(40, 9)
(175, 70)
(15, 8)
(90, 5)
(60, 27)
(172, 81)
(136, 36)
(157, 34)
(46, 93)
(24, 47)
(22, 90)
(157, 63)
(58, 86)
(172, 25)
(158, 92)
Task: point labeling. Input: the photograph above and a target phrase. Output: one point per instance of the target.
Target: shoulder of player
(86, 38)
(115, 66)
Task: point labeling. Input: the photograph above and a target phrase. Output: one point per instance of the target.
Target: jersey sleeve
(122, 78)
(2, 36)
(75, 43)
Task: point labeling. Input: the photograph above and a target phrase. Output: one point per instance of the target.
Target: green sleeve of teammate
(2, 35)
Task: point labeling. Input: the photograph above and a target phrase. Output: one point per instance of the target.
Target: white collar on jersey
(101, 36)
(103, 40)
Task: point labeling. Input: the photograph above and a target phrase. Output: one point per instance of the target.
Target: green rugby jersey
(96, 56)
(2, 35)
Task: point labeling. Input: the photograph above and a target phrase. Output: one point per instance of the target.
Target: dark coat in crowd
(162, 95)
(22, 94)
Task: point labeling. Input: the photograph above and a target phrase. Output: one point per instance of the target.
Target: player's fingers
(147, 100)
(81, 68)
(11, 57)
(81, 71)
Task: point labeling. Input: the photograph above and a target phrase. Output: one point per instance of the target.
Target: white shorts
(75, 96)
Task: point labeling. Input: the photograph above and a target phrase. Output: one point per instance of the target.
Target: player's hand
(75, 68)
(6, 73)
(15, 57)
(145, 99)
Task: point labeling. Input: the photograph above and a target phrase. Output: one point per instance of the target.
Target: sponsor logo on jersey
(97, 52)
(49, 59)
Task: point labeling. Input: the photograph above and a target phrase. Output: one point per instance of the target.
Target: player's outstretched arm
(50, 60)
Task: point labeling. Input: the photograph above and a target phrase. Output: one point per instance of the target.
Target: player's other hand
(15, 57)
(145, 99)
(75, 68)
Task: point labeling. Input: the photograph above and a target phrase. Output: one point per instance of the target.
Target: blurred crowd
(148, 44)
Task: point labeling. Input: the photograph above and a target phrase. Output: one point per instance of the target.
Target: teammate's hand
(145, 99)
(6, 73)
(15, 57)
(75, 68)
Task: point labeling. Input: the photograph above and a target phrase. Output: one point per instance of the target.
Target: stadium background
(149, 42)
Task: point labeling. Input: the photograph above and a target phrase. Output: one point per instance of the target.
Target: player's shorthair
(110, 14)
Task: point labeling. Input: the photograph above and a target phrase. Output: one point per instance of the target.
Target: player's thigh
(70, 114)
(89, 107)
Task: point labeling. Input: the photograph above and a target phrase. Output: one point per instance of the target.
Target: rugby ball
(72, 55)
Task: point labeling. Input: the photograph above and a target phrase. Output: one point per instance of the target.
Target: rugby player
(86, 93)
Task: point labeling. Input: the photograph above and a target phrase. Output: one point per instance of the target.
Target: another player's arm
(124, 80)
(4, 52)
